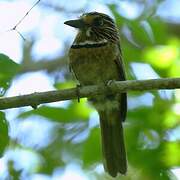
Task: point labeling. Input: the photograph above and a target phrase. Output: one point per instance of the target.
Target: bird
(95, 58)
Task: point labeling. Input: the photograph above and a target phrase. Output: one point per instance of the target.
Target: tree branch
(44, 65)
(88, 91)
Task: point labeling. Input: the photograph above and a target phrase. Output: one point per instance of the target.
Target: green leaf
(8, 68)
(92, 148)
(65, 85)
(139, 33)
(162, 56)
(119, 19)
(171, 154)
(4, 138)
(157, 26)
(75, 111)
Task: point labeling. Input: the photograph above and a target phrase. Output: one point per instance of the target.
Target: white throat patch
(88, 32)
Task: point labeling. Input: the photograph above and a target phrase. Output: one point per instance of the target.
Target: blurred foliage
(78, 111)
(151, 130)
(8, 68)
(4, 137)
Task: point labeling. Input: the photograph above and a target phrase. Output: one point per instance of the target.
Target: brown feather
(113, 143)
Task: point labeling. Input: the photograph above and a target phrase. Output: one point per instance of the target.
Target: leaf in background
(119, 19)
(161, 57)
(171, 154)
(8, 68)
(4, 138)
(137, 28)
(65, 85)
(158, 26)
(92, 151)
(174, 70)
(139, 33)
(171, 119)
(74, 112)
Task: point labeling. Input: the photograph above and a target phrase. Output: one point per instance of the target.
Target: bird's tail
(113, 142)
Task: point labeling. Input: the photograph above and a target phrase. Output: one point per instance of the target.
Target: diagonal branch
(88, 91)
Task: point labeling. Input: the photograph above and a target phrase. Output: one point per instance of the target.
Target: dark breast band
(96, 45)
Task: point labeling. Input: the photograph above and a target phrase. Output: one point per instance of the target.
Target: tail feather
(113, 143)
(123, 107)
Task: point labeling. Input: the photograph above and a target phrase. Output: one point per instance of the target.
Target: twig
(25, 15)
(20, 21)
(88, 91)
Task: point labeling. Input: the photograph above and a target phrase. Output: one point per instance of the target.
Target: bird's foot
(108, 83)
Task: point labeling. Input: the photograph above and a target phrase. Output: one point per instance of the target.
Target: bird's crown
(96, 19)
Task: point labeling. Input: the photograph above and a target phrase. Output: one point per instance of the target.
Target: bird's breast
(94, 65)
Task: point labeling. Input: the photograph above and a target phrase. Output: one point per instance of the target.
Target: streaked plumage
(95, 58)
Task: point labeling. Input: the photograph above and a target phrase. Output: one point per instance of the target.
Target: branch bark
(36, 99)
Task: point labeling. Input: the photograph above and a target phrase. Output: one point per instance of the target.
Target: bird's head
(97, 26)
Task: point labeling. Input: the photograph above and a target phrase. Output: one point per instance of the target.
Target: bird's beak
(78, 23)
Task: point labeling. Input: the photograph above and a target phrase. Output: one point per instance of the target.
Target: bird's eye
(98, 21)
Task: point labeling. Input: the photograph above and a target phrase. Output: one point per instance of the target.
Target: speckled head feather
(101, 26)
(96, 27)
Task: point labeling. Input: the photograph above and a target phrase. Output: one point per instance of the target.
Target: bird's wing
(122, 77)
